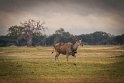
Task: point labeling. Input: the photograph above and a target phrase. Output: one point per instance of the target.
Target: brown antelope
(66, 49)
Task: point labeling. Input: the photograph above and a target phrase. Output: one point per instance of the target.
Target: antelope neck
(75, 46)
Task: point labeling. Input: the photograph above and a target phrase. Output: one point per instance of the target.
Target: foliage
(96, 38)
(60, 35)
(33, 27)
(30, 27)
(118, 39)
(15, 31)
(7, 41)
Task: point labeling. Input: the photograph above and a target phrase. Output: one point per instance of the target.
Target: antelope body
(66, 49)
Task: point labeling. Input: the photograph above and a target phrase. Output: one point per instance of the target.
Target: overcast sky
(75, 16)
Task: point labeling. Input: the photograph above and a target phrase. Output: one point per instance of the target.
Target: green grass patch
(38, 63)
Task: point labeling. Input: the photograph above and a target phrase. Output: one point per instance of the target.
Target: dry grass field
(94, 64)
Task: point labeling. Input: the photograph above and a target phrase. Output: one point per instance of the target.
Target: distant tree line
(30, 33)
(96, 38)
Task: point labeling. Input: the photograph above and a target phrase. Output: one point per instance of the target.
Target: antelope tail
(52, 51)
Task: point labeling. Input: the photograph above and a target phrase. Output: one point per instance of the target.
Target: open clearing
(94, 64)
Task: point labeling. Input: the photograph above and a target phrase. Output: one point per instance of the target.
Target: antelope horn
(75, 37)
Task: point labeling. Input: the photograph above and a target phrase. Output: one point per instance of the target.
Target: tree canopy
(30, 27)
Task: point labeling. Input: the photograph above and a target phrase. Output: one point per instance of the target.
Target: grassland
(94, 64)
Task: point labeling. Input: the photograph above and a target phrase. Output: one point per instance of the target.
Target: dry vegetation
(94, 64)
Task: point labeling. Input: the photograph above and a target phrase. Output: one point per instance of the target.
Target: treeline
(31, 33)
(96, 38)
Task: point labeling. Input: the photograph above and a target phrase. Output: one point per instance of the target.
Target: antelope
(66, 49)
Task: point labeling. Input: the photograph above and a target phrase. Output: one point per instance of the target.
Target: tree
(27, 30)
(62, 36)
(60, 31)
(33, 27)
